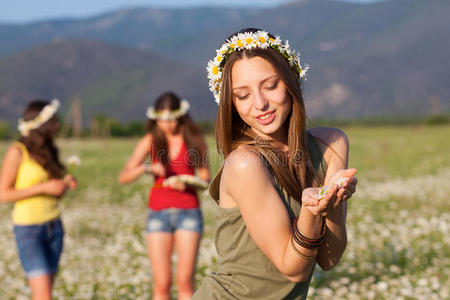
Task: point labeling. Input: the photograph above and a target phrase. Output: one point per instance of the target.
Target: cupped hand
(54, 187)
(319, 206)
(347, 187)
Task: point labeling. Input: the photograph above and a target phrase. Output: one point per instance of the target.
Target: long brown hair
(192, 134)
(294, 171)
(39, 142)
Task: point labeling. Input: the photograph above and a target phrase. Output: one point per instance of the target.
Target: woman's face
(260, 97)
(168, 127)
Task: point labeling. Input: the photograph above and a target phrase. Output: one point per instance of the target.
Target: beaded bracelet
(307, 257)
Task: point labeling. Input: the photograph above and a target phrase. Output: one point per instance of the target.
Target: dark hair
(39, 142)
(192, 134)
(231, 130)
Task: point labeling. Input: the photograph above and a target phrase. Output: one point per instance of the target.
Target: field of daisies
(398, 223)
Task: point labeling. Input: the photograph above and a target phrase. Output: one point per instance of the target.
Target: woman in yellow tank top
(33, 178)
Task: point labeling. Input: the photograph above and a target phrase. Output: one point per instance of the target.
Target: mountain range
(385, 58)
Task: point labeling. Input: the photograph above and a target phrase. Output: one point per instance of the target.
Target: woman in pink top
(176, 148)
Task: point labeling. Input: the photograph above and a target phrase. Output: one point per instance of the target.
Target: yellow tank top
(38, 209)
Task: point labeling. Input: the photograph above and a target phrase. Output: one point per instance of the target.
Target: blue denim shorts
(172, 219)
(40, 247)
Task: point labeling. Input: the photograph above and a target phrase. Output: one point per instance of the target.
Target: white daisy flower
(250, 40)
(240, 41)
(73, 160)
(223, 50)
(263, 39)
(322, 192)
(214, 71)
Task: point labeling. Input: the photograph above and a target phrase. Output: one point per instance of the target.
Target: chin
(268, 129)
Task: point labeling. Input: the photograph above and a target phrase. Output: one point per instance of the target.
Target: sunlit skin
(41, 286)
(257, 90)
(160, 245)
(246, 182)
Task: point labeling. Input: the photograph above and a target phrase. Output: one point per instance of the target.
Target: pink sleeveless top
(164, 197)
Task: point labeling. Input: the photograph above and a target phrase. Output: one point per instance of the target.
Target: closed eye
(273, 85)
(242, 97)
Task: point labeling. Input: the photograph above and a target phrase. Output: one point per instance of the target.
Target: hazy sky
(32, 10)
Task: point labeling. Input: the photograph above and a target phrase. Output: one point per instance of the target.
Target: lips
(266, 118)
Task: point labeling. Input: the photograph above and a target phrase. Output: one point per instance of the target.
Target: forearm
(299, 268)
(131, 174)
(12, 195)
(335, 240)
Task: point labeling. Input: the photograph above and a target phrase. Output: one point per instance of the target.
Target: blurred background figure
(33, 178)
(171, 150)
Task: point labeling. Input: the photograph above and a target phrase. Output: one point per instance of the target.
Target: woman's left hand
(348, 187)
(178, 185)
(334, 197)
(71, 181)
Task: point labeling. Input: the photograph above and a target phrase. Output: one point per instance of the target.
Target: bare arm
(10, 167)
(335, 151)
(203, 169)
(247, 183)
(135, 166)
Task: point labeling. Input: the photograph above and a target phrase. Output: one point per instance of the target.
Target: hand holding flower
(70, 181)
(177, 185)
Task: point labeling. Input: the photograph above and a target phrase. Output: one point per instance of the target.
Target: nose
(261, 102)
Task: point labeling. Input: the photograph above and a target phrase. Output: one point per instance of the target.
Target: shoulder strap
(23, 149)
(315, 154)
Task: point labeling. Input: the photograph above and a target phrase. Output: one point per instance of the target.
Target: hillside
(109, 79)
(387, 58)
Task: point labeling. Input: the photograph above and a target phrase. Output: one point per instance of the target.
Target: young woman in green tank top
(275, 222)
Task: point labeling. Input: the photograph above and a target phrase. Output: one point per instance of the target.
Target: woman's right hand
(54, 187)
(158, 169)
(319, 207)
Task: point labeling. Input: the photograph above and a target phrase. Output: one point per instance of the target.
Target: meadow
(398, 223)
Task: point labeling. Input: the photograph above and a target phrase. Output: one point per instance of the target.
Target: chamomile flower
(246, 41)
(214, 71)
(263, 39)
(73, 160)
(47, 112)
(275, 41)
(322, 192)
(249, 40)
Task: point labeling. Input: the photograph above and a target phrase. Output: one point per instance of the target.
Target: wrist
(147, 168)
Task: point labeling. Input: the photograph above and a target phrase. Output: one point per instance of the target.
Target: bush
(5, 131)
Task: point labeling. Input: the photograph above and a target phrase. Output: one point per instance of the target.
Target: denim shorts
(172, 219)
(40, 247)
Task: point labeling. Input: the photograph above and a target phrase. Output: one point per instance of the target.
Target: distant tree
(5, 131)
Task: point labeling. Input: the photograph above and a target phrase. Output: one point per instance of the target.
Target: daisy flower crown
(168, 115)
(247, 41)
(46, 114)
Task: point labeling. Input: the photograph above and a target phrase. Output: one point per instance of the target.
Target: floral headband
(168, 115)
(46, 113)
(247, 41)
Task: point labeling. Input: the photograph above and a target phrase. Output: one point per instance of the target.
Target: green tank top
(244, 271)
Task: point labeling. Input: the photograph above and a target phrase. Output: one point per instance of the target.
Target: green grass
(398, 222)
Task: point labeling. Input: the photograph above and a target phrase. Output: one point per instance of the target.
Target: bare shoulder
(244, 171)
(244, 164)
(145, 141)
(243, 158)
(13, 156)
(14, 152)
(330, 136)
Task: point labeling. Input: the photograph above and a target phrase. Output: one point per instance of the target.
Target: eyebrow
(263, 81)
